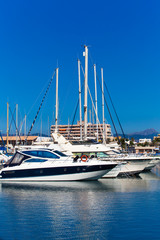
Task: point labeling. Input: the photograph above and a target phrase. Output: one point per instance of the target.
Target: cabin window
(42, 154)
(102, 155)
(60, 153)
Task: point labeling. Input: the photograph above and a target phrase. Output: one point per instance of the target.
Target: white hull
(134, 166)
(66, 177)
(152, 164)
(114, 172)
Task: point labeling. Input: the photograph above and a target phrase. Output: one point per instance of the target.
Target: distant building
(72, 132)
(158, 136)
(145, 140)
(148, 149)
(21, 140)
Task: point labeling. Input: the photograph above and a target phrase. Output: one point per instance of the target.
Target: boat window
(42, 154)
(102, 154)
(17, 159)
(35, 160)
(60, 153)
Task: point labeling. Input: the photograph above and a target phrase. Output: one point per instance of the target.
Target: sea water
(127, 209)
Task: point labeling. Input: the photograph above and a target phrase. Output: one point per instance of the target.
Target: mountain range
(148, 133)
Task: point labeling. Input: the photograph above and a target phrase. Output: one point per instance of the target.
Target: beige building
(12, 140)
(147, 149)
(72, 132)
(158, 136)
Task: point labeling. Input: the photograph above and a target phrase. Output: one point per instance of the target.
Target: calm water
(108, 209)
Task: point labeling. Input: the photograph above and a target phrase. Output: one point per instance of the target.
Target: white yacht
(91, 150)
(48, 165)
(128, 163)
(135, 163)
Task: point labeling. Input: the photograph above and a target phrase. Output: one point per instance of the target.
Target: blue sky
(123, 38)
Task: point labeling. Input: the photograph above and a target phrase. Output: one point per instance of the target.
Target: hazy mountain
(148, 133)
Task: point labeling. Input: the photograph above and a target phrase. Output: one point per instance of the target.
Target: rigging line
(75, 111)
(36, 99)
(15, 125)
(109, 111)
(67, 93)
(21, 125)
(2, 139)
(92, 102)
(40, 106)
(11, 120)
(107, 105)
(114, 110)
(95, 110)
(77, 104)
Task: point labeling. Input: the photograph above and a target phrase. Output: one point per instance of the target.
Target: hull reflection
(103, 185)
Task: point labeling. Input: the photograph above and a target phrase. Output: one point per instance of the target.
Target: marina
(79, 120)
(90, 158)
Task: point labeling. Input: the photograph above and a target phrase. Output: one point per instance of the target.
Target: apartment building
(72, 132)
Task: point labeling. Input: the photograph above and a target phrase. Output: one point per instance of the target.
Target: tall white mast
(85, 92)
(16, 124)
(103, 107)
(80, 104)
(95, 81)
(56, 119)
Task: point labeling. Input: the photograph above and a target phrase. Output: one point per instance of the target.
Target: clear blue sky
(123, 38)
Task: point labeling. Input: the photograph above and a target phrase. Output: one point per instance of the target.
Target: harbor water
(125, 208)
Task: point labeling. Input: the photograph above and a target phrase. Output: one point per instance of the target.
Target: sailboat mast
(56, 119)
(103, 107)
(85, 92)
(80, 104)
(95, 81)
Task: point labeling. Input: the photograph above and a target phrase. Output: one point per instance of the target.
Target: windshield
(17, 159)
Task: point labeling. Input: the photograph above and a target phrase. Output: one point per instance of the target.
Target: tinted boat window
(60, 153)
(102, 155)
(42, 154)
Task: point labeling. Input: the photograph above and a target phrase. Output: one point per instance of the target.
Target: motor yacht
(52, 165)
(128, 163)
